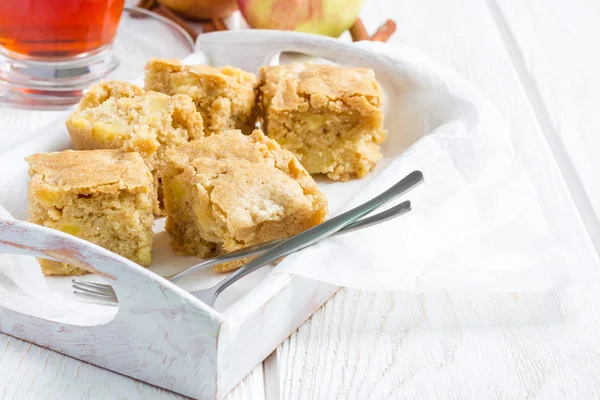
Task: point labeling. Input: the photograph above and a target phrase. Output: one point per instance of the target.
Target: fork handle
(323, 230)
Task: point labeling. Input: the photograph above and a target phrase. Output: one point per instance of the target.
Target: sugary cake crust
(103, 196)
(325, 82)
(229, 191)
(329, 117)
(85, 172)
(225, 96)
(104, 90)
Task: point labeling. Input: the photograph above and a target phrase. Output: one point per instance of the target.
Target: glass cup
(56, 46)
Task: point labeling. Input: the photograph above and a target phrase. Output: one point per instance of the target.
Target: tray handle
(160, 334)
(134, 285)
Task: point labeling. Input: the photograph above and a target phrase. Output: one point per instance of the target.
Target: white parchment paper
(489, 217)
(485, 219)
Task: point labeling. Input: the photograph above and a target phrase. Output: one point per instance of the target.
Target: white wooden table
(538, 60)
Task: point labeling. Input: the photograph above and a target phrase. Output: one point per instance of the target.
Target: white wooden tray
(161, 334)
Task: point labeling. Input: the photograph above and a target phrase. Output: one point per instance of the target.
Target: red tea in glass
(57, 29)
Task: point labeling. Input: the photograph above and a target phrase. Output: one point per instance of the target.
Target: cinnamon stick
(384, 32)
(208, 27)
(358, 31)
(165, 12)
(146, 4)
(219, 24)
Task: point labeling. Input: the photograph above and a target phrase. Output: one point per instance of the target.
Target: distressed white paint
(421, 346)
(161, 334)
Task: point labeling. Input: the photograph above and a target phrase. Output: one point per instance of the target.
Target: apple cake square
(229, 191)
(102, 196)
(330, 117)
(225, 96)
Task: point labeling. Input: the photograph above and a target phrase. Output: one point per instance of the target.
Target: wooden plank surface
(554, 47)
(28, 371)
(436, 346)
(439, 345)
(465, 345)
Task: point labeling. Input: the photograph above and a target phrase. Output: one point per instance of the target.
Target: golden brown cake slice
(225, 96)
(329, 117)
(120, 115)
(103, 196)
(228, 191)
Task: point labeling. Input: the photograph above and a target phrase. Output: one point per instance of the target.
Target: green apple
(322, 17)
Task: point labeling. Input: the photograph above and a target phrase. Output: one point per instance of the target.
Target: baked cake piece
(225, 96)
(329, 117)
(120, 115)
(229, 191)
(103, 196)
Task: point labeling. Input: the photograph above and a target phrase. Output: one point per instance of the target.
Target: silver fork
(277, 249)
(90, 288)
(101, 291)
